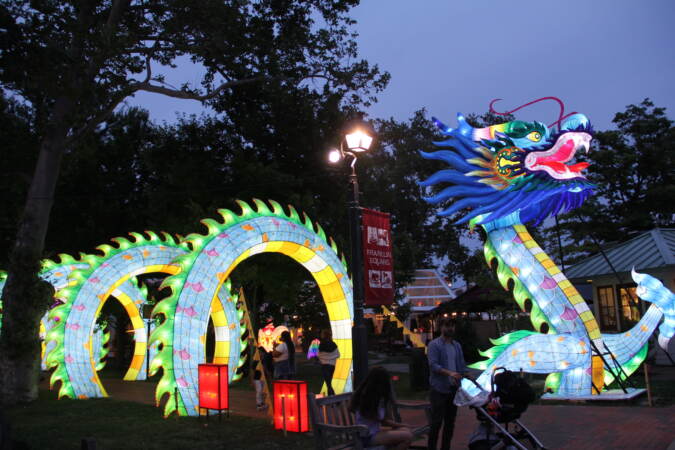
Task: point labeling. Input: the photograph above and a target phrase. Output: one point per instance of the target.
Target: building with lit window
(615, 304)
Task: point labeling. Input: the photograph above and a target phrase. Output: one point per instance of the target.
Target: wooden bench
(335, 428)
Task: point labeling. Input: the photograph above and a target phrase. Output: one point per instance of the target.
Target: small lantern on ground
(290, 406)
(213, 388)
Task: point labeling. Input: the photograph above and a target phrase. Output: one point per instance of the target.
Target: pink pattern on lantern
(182, 354)
(212, 252)
(105, 264)
(188, 311)
(197, 287)
(548, 283)
(94, 280)
(73, 326)
(569, 314)
(79, 307)
(276, 223)
(517, 240)
(223, 235)
(69, 359)
(182, 382)
(589, 370)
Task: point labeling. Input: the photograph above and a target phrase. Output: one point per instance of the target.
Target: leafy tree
(18, 157)
(72, 63)
(634, 170)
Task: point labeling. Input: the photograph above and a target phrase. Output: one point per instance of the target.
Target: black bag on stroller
(514, 394)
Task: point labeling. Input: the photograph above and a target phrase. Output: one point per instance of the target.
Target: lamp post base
(360, 352)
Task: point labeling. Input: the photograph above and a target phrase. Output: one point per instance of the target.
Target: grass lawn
(61, 424)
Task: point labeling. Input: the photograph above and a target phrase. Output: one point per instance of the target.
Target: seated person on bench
(370, 403)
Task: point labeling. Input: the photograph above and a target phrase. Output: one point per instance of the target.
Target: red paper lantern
(213, 387)
(290, 405)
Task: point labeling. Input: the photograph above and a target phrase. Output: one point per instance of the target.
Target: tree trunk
(26, 297)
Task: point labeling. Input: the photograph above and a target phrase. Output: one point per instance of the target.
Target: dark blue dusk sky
(452, 56)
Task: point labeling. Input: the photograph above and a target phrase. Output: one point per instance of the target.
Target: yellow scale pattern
(572, 295)
(222, 348)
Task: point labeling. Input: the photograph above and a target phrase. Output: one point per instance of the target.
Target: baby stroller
(499, 412)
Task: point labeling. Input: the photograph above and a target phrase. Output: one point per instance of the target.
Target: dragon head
(514, 168)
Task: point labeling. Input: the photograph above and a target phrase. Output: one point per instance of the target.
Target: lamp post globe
(358, 140)
(334, 156)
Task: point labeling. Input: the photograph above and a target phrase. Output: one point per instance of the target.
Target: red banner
(378, 260)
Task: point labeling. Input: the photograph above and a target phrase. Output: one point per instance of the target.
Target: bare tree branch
(151, 50)
(176, 93)
(148, 61)
(148, 68)
(100, 117)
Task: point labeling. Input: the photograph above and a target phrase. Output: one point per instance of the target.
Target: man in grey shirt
(446, 369)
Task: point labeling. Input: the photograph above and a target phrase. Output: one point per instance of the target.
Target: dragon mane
(525, 196)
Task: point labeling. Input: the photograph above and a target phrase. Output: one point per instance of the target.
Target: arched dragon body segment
(57, 274)
(111, 274)
(106, 275)
(511, 174)
(199, 268)
(204, 271)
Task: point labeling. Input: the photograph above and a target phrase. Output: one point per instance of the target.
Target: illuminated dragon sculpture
(198, 269)
(519, 172)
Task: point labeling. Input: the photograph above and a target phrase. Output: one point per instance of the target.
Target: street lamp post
(357, 141)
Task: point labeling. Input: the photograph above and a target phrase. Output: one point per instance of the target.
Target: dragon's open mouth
(553, 161)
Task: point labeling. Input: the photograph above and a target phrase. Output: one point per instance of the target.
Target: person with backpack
(446, 370)
(328, 355)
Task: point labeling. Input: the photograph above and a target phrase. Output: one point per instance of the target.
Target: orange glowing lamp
(290, 406)
(213, 387)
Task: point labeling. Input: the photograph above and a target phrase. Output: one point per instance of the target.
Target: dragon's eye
(534, 136)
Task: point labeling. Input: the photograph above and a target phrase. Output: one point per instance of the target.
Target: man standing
(446, 369)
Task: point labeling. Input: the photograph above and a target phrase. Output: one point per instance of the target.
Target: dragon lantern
(505, 176)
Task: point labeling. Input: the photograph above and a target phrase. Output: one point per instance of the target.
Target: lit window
(607, 307)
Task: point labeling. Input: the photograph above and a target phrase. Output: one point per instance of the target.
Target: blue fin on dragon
(502, 177)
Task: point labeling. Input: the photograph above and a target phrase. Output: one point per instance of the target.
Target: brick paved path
(587, 427)
(558, 427)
